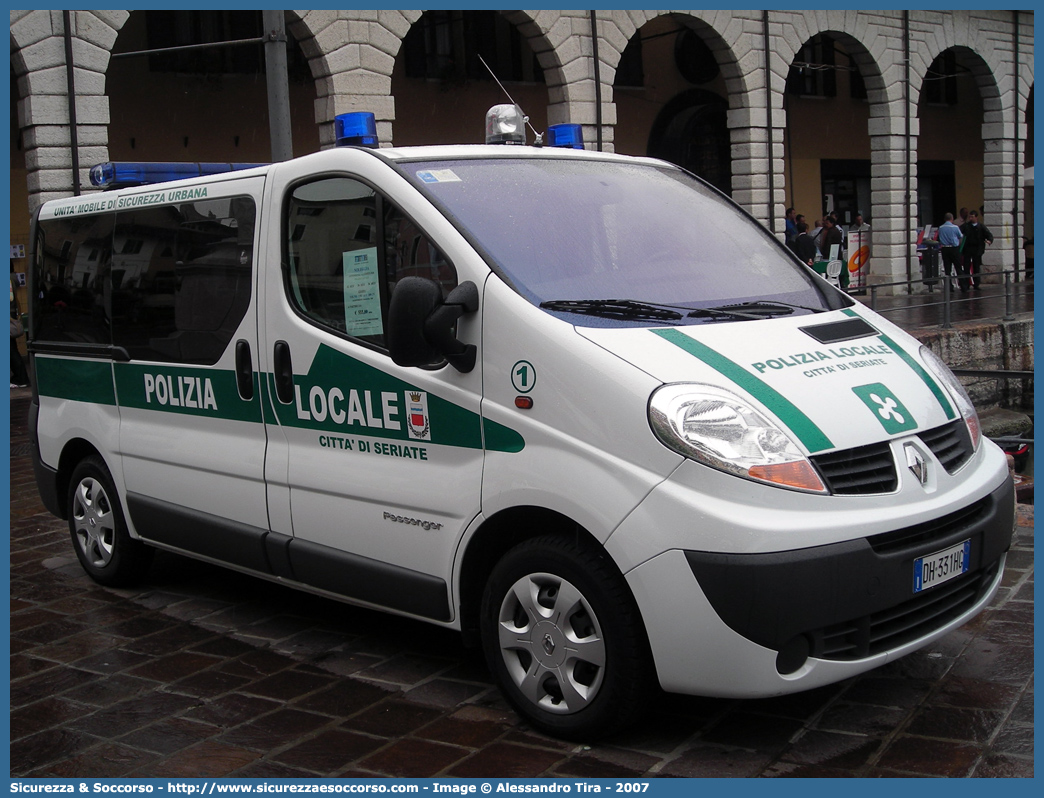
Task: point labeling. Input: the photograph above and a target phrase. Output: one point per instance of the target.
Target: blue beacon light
(356, 129)
(565, 135)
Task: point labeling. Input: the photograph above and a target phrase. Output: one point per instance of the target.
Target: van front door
(374, 469)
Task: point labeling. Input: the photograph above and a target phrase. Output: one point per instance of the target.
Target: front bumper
(852, 600)
(764, 624)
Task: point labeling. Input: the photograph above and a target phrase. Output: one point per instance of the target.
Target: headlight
(956, 391)
(715, 427)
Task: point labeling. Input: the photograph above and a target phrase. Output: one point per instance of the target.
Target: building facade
(899, 115)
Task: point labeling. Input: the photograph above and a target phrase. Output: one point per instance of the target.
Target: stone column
(894, 237)
(1004, 145)
(43, 114)
(756, 127)
(570, 74)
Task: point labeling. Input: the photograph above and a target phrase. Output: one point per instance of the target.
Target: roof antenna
(538, 140)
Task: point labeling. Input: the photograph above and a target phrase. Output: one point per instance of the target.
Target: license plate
(942, 566)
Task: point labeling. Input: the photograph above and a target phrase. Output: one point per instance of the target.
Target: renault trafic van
(579, 406)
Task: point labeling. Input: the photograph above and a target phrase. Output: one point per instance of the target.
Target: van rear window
(168, 283)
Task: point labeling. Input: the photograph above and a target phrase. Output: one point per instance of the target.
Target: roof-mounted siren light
(125, 174)
(356, 129)
(505, 124)
(566, 135)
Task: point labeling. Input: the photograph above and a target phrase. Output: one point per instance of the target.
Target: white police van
(579, 406)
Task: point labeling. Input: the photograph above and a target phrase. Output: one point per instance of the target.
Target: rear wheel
(99, 532)
(563, 637)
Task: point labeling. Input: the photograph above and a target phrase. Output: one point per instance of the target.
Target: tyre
(99, 532)
(564, 639)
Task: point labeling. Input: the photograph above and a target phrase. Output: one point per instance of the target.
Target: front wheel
(107, 552)
(564, 639)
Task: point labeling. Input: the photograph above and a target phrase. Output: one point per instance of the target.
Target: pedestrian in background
(950, 241)
(791, 233)
(831, 237)
(976, 237)
(816, 235)
(803, 246)
(19, 376)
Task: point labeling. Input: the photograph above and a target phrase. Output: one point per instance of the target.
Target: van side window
(71, 280)
(181, 278)
(346, 248)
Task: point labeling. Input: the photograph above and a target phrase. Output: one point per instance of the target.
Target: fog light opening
(792, 655)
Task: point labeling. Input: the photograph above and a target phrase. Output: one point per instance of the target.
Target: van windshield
(605, 243)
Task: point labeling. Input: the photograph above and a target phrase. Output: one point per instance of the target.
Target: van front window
(600, 242)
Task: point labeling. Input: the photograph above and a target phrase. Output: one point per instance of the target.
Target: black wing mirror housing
(421, 325)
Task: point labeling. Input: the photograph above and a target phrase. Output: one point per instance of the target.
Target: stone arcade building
(903, 115)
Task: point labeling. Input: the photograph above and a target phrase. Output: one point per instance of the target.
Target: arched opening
(950, 146)
(441, 87)
(202, 105)
(672, 100)
(827, 140)
(692, 132)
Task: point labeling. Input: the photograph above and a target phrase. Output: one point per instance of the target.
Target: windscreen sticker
(362, 293)
(437, 176)
(813, 438)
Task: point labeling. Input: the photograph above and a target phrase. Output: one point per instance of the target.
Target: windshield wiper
(753, 310)
(629, 309)
(731, 312)
(775, 303)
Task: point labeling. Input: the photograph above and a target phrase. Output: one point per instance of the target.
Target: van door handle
(284, 372)
(244, 371)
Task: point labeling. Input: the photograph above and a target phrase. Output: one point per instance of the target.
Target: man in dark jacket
(831, 235)
(976, 237)
(803, 246)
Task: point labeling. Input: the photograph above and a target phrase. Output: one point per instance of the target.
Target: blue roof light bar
(124, 174)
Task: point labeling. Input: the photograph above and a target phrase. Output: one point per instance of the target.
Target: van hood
(836, 380)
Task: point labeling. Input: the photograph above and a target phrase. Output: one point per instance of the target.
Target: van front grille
(867, 470)
(860, 471)
(951, 443)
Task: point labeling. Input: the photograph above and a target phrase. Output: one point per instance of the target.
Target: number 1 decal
(523, 376)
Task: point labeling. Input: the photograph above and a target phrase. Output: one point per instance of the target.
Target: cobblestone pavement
(203, 672)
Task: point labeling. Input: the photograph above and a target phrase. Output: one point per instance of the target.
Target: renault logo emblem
(549, 645)
(916, 463)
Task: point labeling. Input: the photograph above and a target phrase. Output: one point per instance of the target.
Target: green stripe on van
(814, 439)
(918, 369)
(75, 380)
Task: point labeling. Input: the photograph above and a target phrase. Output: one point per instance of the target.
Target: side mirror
(421, 325)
